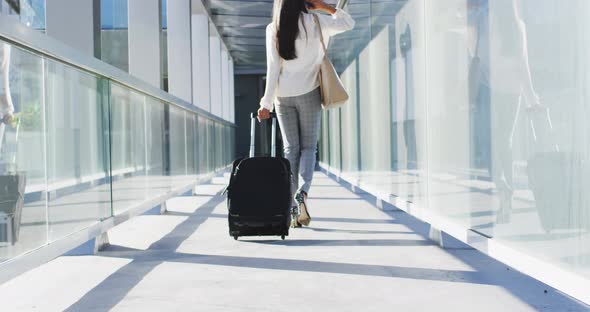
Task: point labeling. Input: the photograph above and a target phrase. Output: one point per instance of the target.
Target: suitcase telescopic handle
(273, 147)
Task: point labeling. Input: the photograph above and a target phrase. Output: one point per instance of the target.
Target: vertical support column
(224, 84)
(215, 72)
(145, 36)
(179, 49)
(80, 30)
(200, 58)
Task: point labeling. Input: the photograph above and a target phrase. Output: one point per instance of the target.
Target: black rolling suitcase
(259, 192)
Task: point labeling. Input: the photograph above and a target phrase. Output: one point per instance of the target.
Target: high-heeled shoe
(304, 216)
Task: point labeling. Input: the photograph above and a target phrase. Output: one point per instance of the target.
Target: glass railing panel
(179, 145)
(541, 168)
(335, 155)
(178, 141)
(224, 149)
(202, 144)
(23, 211)
(233, 143)
(207, 145)
(78, 175)
(350, 122)
(123, 115)
(459, 185)
(82, 148)
(215, 147)
(218, 146)
(229, 155)
(223, 145)
(127, 123)
(156, 154)
(408, 127)
(221, 149)
(138, 148)
(385, 125)
(191, 144)
(476, 111)
(211, 145)
(517, 168)
(325, 141)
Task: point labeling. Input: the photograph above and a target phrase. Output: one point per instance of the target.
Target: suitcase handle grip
(255, 114)
(273, 148)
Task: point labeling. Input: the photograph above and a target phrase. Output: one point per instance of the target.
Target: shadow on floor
(326, 230)
(355, 220)
(351, 242)
(113, 289)
(333, 198)
(329, 267)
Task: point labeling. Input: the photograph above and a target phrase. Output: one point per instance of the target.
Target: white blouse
(300, 75)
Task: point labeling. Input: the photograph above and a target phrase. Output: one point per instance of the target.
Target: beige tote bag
(334, 94)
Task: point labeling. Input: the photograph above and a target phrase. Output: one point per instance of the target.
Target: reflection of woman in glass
(6, 105)
(405, 43)
(478, 84)
(510, 79)
(9, 7)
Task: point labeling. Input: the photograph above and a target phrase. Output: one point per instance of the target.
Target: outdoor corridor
(353, 257)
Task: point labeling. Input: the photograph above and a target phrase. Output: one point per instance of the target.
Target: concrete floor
(353, 257)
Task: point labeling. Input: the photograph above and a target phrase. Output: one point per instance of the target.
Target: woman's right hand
(263, 114)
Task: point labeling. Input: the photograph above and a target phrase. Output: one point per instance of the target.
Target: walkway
(353, 258)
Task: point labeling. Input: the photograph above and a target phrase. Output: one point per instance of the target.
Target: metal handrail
(13, 32)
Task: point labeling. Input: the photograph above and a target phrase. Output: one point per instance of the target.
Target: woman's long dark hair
(287, 15)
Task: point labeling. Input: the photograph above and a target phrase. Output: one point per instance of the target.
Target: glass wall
(115, 33)
(473, 111)
(29, 12)
(76, 114)
(77, 148)
(164, 45)
(32, 13)
(23, 166)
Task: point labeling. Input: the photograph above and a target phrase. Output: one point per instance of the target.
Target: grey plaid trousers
(299, 119)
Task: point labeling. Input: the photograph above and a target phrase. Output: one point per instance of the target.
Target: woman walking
(294, 53)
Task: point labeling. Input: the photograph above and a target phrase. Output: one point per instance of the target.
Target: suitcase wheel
(283, 237)
(236, 237)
